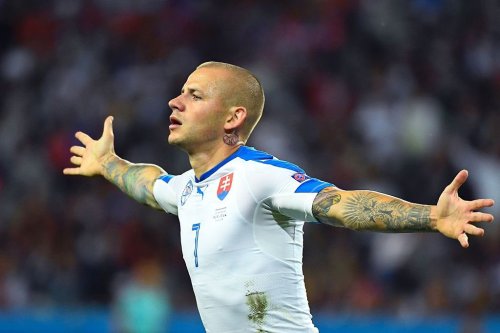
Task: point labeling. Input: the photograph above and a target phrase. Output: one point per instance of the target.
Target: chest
(215, 218)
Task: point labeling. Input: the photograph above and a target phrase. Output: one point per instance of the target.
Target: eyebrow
(191, 90)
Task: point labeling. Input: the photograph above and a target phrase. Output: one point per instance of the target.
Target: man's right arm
(98, 157)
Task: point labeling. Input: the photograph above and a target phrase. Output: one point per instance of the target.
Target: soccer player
(242, 211)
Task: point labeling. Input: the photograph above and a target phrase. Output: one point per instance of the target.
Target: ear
(236, 118)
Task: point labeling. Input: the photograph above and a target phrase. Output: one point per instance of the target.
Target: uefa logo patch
(225, 184)
(300, 177)
(187, 192)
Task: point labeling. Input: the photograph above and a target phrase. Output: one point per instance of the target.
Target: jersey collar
(244, 152)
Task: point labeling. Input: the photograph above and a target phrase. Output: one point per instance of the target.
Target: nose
(176, 104)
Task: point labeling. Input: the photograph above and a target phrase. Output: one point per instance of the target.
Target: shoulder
(173, 180)
(269, 175)
(262, 160)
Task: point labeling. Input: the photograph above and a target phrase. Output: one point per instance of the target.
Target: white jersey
(241, 233)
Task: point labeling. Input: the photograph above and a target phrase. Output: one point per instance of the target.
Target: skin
(204, 119)
(98, 158)
(373, 211)
(200, 118)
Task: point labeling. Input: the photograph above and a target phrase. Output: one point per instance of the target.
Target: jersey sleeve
(296, 201)
(289, 191)
(165, 193)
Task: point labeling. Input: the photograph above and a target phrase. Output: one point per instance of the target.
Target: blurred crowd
(394, 96)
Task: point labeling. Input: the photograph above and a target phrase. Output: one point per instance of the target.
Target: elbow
(332, 221)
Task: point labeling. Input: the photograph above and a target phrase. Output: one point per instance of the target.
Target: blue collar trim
(244, 152)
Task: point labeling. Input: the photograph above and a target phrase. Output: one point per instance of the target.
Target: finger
(84, 138)
(481, 203)
(77, 150)
(459, 179)
(464, 240)
(473, 230)
(76, 160)
(481, 217)
(71, 171)
(108, 127)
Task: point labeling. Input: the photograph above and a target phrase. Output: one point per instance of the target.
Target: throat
(206, 161)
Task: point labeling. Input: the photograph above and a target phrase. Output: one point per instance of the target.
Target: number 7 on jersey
(196, 227)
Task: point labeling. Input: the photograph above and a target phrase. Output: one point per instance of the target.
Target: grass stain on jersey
(258, 305)
(284, 222)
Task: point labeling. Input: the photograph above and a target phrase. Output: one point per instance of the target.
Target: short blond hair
(244, 90)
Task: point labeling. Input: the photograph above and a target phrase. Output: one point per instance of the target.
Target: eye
(196, 97)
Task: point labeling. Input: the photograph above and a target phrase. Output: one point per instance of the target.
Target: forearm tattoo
(133, 179)
(366, 210)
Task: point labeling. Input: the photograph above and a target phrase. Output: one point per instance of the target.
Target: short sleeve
(285, 188)
(165, 194)
(296, 200)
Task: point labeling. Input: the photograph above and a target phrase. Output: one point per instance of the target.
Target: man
(242, 211)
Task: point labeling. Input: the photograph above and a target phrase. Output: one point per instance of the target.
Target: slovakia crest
(187, 192)
(225, 184)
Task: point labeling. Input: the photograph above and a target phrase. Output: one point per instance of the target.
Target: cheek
(212, 128)
(203, 128)
(212, 123)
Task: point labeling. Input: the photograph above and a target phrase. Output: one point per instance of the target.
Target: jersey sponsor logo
(300, 177)
(187, 192)
(225, 184)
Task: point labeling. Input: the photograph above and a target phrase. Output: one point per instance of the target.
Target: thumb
(458, 181)
(107, 131)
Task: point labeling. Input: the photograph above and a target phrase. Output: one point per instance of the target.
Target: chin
(175, 141)
(172, 141)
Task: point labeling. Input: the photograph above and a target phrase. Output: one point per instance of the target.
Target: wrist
(433, 218)
(109, 163)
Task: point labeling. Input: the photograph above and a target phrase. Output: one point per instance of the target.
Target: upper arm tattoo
(323, 202)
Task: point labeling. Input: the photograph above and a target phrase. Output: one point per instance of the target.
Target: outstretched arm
(368, 210)
(98, 157)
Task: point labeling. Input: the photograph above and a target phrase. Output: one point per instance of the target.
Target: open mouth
(174, 122)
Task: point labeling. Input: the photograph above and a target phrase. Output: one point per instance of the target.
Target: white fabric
(243, 250)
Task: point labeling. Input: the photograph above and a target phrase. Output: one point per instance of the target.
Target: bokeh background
(395, 96)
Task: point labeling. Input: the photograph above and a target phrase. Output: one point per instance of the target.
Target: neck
(205, 160)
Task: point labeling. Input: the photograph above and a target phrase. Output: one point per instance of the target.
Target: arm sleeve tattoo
(136, 180)
(367, 210)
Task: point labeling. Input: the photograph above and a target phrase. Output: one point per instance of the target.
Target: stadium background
(395, 96)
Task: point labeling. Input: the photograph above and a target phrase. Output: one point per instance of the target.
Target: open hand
(90, 158)
(455, 216)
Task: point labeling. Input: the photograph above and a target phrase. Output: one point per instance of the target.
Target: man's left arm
(369, 210)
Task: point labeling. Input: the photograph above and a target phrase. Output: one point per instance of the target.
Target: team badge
(187, 192)
(224, 186)
(300, 177)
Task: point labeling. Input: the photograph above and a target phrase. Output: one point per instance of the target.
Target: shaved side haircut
(244, 89)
